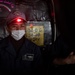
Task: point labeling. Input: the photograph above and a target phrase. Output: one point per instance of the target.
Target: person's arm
(61, 52)
(68, 60)
(59, 61)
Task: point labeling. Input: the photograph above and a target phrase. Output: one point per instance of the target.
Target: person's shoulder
(30, 44)
(3, 42)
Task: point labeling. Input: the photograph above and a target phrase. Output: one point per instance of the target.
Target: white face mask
(17, 34)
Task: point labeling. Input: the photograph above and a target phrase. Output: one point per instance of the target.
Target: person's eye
(22, 25)
(13, 26)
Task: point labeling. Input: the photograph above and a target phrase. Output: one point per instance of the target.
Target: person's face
(16, 26)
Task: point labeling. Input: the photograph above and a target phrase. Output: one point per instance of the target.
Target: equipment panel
(39, 32)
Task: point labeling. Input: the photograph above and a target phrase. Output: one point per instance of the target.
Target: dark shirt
(61, 49)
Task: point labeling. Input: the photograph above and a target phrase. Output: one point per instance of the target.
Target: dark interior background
(65, 22)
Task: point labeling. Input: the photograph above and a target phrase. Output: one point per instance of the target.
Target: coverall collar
(7, 45)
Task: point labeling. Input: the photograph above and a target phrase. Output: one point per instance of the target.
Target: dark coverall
(28, 61)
